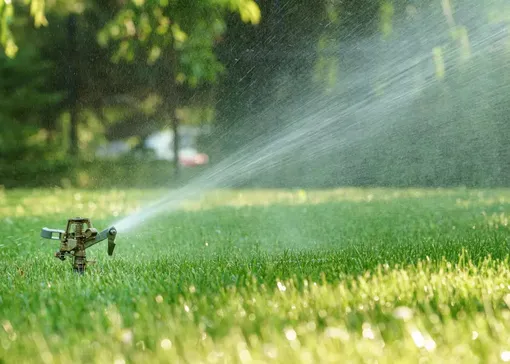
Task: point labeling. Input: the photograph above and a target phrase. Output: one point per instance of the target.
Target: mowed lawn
(347, 275)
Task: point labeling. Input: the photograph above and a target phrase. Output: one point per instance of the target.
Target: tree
(29, 101)
(24, 82)
(175, 39)
(179, 38)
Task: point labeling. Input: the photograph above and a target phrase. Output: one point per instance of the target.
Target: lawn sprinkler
(78, 236)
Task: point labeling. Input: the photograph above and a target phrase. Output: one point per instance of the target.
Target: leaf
(37, 11)
(250, 12)
(11, 48)
(179, 35)
(181, 78)
(102, 38)
(154, 54)
(37, 8)
(387, 12)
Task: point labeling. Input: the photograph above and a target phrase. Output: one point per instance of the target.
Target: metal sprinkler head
(78, 236)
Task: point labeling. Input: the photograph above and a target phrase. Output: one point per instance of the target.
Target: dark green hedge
(91, 174)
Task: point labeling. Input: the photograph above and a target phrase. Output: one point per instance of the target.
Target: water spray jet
(383, 101)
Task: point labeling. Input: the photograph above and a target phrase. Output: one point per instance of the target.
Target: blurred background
(150, 93)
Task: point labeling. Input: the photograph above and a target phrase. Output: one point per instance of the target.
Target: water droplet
(290, 334)
(336, 333)
(403, 313)
(368, 333)
(311, 326)
(430, 344)
(166, 344)
(505, 356)
(418, 338)
(245, 355)
(127, 337)
(270, 351)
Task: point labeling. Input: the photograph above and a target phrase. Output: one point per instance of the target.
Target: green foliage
(24, 81)
(7, 19)
(62, 171)
(191, 29)
(6, 38)
(407, 275)
(24, 96)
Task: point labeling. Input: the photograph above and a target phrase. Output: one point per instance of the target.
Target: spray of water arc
(350, 114)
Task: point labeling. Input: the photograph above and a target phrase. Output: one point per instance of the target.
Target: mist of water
(317, 123)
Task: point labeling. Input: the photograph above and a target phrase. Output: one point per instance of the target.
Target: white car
(160, 144)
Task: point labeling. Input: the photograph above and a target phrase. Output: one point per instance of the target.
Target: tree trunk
(73, 132)
(175, 128)
(73, 85)
(174, 103)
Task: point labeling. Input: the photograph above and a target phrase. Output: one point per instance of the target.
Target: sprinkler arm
(47, 233)
(95, 237)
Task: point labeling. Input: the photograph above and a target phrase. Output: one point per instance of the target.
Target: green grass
(350, 275)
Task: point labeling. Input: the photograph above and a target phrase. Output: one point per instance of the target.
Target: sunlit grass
(262, 276)
(112, 203)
